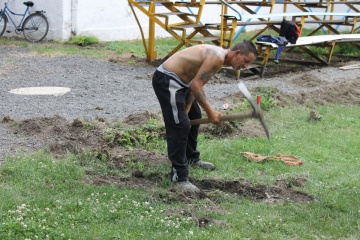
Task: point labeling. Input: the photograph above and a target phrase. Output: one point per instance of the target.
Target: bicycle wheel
(3, 23)
(35, 27)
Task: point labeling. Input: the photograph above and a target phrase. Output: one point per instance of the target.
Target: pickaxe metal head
(257, 112)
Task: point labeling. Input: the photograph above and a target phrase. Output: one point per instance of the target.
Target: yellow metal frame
(149, 9)
(189, 25)
(179, 30)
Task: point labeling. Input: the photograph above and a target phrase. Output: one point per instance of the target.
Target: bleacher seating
(190, 29)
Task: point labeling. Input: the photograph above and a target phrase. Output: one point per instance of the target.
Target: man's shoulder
(206, 45)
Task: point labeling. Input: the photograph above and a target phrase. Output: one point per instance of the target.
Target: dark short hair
(245, 47)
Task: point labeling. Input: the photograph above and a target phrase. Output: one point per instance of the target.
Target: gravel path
(95, 84)
(116, 89)
(101, 88)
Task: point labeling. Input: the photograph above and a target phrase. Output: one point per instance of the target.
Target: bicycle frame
(8, 13)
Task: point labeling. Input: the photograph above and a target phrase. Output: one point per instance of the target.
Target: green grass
(41, 196)
(89, 46)
(83, 40)
(135, 47)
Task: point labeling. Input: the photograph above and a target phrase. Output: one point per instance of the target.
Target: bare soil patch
(63, 137)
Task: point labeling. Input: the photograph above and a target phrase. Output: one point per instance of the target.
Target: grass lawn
(46, 198)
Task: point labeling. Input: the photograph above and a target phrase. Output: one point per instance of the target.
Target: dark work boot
(203, 165)
(182, 185)
(188, 187)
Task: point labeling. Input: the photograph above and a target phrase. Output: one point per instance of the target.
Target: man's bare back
(199, 63)
(202, 60)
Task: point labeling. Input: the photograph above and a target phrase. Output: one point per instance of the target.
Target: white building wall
(108, 20)
(102, 19)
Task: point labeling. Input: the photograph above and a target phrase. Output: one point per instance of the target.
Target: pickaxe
(256, 113)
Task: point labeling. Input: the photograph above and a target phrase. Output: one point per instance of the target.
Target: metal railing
(229, 6)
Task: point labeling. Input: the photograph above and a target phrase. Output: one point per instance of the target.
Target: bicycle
(34, 26)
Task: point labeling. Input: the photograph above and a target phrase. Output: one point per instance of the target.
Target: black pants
(180, 136)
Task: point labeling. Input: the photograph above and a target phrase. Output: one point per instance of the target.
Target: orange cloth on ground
(287, 159)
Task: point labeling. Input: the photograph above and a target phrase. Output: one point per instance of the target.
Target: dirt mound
(58, 134)
(281, 191)
(140, 119)
(139, 166)
(77, 136)
(347, 93)
(214, 189)
(307, 80)
(250, 128)
(314, 91)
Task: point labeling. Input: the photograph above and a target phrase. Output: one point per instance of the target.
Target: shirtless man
(178, 84)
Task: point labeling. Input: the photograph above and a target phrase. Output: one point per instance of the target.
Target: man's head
(244, 53)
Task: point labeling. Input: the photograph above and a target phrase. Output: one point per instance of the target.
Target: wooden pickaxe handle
(257, 112)
(224, 118)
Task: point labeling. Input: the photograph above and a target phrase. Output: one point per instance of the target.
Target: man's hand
(214, 116)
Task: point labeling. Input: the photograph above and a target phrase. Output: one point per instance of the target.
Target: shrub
(83, 40)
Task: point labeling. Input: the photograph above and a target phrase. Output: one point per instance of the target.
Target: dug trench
(140, 168)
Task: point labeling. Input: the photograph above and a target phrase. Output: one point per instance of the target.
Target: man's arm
(210, 66)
